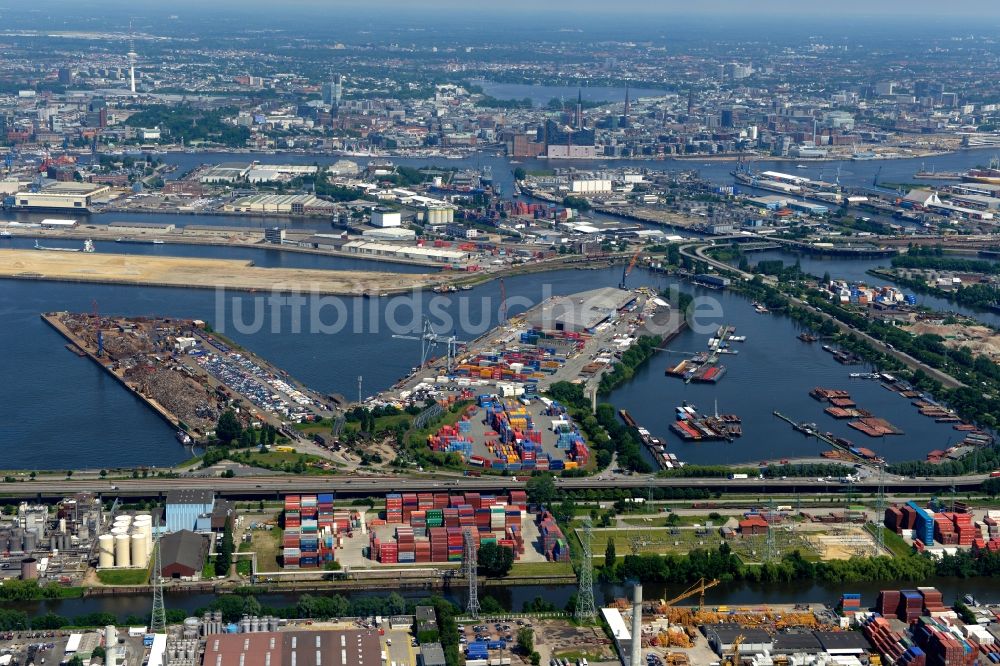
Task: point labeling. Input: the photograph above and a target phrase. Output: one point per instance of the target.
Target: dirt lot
(979, 339)
(195, 272)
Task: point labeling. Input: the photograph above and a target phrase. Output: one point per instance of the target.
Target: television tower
(132, 57)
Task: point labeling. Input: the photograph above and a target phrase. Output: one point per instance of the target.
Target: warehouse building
(281, 204)
(62, 196)
(722, 638)
(384, 217)
(190, 510)
(297, 648)
(431, 254)
(583, 312)
(183, 554)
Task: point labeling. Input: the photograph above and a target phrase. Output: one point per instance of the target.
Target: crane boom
(697, 588)
(628, 269)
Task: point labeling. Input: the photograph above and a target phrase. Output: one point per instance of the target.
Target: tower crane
(698, 588)
(628, 269)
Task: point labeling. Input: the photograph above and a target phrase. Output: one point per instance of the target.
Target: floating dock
(694, 427)
(656, 447)
(704, 367)
(843, 407)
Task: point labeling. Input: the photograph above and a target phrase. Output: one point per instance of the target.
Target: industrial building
(582, 312)
(430, 254)
(182, 554)
(281, 204)
(190, 510)
(61, 196)
(298, 648)
(383, 217)
(432, 654)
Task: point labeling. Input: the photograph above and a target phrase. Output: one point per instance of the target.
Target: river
(985, 590)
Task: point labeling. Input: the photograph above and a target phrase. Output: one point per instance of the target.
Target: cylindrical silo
(62, 526)
(122, 551)
(140, 556)
(106, 551)
(29, 568)
(119, 529)
(30, 541)
(110, 635)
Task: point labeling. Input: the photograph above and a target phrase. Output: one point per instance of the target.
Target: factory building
(190, 510)
(299, 648)
(62, 196)
(183, 554)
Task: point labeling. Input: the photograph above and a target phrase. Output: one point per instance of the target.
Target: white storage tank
(140, 556)
(106, 551)
(122, 551)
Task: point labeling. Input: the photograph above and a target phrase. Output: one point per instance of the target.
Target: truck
(738, 476)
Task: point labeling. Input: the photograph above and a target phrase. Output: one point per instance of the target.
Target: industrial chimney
(637, 625)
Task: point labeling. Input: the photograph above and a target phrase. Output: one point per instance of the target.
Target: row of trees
(632, 359)
(725, 565)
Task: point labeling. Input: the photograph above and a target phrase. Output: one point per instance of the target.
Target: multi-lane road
(270, 486)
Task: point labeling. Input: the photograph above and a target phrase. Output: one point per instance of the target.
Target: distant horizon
(720, 10)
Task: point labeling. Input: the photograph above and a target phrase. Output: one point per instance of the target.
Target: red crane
(628, 269)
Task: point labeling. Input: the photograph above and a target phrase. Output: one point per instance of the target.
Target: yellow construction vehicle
(684, 615)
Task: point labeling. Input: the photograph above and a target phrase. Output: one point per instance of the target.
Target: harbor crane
(429, 339)
(628, 269)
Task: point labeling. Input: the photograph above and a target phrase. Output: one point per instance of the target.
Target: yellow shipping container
(571, 464)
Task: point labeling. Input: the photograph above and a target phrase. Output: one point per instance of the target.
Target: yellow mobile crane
(734, 659)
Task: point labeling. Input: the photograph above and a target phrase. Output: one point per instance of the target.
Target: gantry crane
(429, 339)
(628, 269)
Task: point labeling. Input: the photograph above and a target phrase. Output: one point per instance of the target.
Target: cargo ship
(694, 427)
(88, 246)
(989, 176)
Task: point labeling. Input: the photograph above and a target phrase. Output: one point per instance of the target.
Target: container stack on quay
(313, 530)
(850, 604)
(554, 543)
(435, 524)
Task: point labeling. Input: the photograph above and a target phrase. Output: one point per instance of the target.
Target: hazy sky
(838, 8)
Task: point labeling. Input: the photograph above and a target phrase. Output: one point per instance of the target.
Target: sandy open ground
(201, 273)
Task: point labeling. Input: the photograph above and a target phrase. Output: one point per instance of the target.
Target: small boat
(88, 246)
(466, 287)
(801, 166)
(4, 233)
(183, 437)
(157, 241)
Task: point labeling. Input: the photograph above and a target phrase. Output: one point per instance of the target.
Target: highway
(359, 486)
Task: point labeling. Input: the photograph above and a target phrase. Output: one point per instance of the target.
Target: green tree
(610, 556)
(541, 489)
(526, 640)
(495, 560)
(224, 558)
(228, 429)
(520, 174)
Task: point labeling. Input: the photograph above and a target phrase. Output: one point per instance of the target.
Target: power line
(585, 608)
(471, 566)
(158, 618)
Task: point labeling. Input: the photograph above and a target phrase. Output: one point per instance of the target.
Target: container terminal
(188, 375)
(509, 424)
